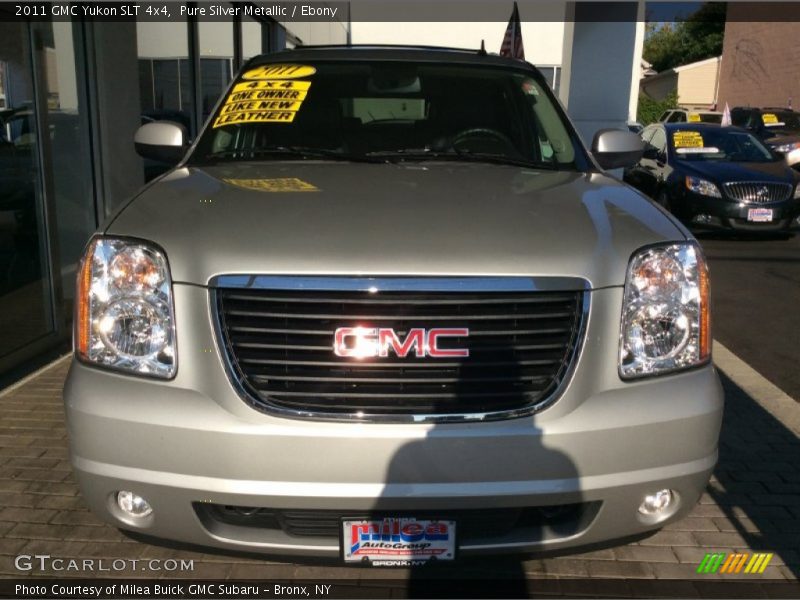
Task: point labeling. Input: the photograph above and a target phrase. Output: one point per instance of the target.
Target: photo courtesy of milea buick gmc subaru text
(387, 309)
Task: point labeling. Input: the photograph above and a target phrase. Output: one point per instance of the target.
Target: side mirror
(650, 152)
(163, 141)
(615, 149)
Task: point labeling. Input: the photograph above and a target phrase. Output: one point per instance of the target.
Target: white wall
(319, 32)
(162, 39)
(542, 40)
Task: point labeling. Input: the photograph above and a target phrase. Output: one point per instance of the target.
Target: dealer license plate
(759, 215)
(398, 542)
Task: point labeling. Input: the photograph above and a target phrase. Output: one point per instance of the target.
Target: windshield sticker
(272, 84)
(694, 118)
(260, 105)
(687, 139)
(281, 184)
(771, 120)
(261, 116)
(279, 72)
(263, 101)
(703, 150)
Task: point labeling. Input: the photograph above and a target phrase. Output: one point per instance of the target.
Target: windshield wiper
(422, 154)
(301, 152)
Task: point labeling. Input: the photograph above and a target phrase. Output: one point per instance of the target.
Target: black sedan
(719, 177)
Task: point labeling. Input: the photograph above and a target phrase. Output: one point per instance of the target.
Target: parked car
(684, 115)
(386, 308)
(635, 126)
(778, 128)
(715, 176)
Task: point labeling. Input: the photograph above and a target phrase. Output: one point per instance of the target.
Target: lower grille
(280, 347)
(472, 526)
(758, 192)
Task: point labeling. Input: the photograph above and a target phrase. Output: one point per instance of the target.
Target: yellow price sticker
(687, 139)
(769, 119)
(280, 184)
(259, 116)
(272, 84)
(279, 71)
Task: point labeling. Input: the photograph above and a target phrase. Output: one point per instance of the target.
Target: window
(659, 140)
(252, 38)
(409, 108)
(164, 83)
(216, 62)
(739, 117)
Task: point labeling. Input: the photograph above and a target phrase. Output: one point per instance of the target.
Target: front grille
(758, 192)
(279, 346)
(472, 526)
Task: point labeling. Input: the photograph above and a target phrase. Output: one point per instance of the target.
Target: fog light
(702, 219)
(657, 503)
(132, 504)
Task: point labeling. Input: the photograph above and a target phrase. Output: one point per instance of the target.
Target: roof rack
(391, 47)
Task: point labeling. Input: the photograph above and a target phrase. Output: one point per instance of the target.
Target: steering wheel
(481, 133)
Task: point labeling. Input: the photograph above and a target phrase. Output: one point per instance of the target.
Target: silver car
(387, 309)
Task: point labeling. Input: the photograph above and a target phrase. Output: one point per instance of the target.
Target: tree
(697, 37)
(649, 110)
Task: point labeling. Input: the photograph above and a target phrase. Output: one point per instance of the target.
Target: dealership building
(89, 86)
(74, 90)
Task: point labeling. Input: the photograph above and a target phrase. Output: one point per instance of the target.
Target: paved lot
(752, 503)
(755, 291)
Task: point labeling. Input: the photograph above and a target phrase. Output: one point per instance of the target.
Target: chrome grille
(279, 347)
(758, 192)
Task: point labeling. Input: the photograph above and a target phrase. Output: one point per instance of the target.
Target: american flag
(512, 40)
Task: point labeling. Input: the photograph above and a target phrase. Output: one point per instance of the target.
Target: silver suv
(388, 309)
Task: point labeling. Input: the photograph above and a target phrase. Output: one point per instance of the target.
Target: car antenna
(482, 51)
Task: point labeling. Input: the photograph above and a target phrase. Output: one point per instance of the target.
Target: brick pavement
(752, 504)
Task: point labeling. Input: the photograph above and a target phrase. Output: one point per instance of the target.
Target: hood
(776, 171)
(778, 138)
(337, 218)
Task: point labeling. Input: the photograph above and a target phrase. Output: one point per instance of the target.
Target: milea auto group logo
(367, 342)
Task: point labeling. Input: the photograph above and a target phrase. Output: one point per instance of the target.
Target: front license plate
(759, 215)
(398, 541)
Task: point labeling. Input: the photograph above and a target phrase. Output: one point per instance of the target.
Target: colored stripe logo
(720, 562)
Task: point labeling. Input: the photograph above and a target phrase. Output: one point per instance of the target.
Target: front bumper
(193, 442)
(729, 214)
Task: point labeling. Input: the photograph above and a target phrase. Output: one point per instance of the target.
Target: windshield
(781, 122)
(388, 111)
(723, 145)
(709, 118)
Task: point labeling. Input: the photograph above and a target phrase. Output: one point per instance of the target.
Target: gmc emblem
(366, 342)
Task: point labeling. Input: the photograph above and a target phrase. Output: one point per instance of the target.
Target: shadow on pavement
(758, 477)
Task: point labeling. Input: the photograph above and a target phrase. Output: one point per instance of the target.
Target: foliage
(695, 38)
(649, 109)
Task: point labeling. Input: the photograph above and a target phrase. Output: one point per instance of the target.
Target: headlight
(665, 321)
(787, 148)
(702, 187)
(124, 311)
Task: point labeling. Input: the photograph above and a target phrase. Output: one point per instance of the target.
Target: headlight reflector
(665, 319)
(125, 316)
(787, 148)
(702, 187)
